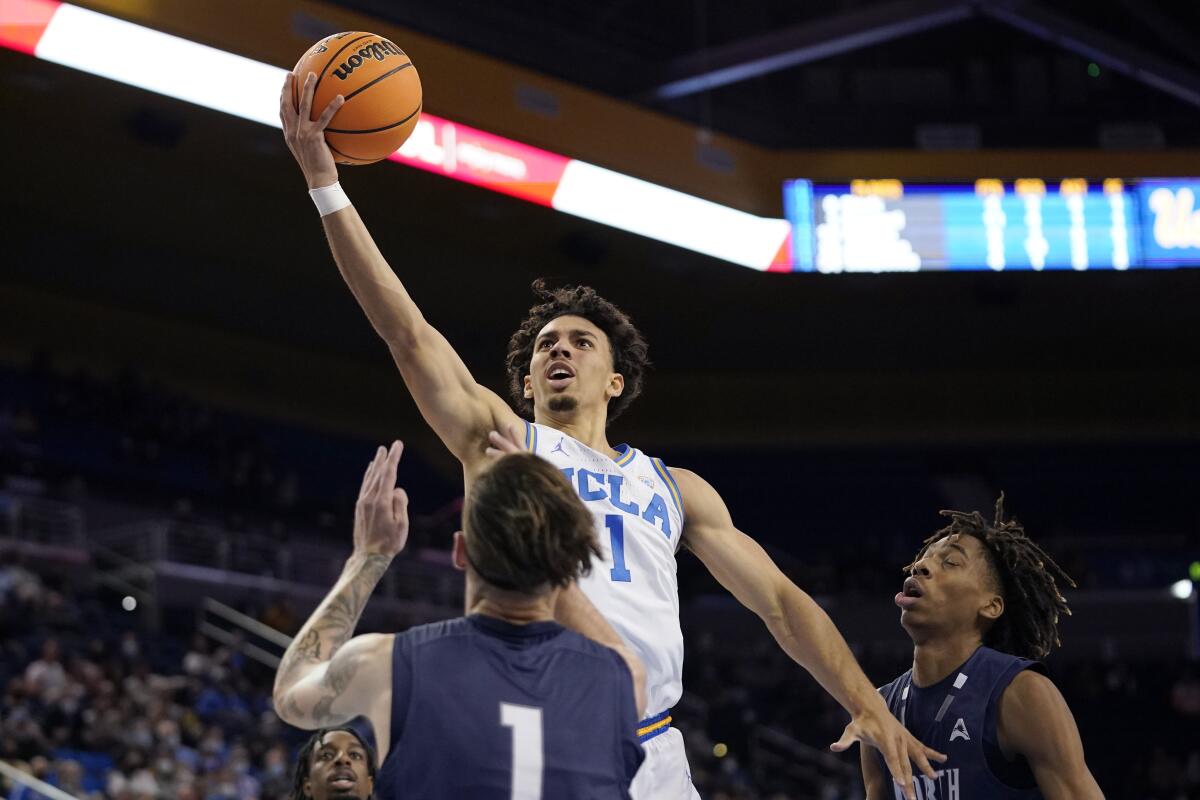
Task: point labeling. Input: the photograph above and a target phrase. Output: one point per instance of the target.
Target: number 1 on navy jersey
(527, 753)
(616, 536)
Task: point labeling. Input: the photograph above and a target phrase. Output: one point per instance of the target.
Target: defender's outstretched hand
(306, 137)
(381, 513)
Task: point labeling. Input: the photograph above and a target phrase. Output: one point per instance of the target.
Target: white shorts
(665, 774)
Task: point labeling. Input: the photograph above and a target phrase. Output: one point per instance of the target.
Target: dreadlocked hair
(1028, 579)
(629, 349)
(304, 759)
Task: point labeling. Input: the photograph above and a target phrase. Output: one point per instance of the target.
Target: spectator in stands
(46, 678)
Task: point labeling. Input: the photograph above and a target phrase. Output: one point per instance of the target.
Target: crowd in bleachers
(95, 706)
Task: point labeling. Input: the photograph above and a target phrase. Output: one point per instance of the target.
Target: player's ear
(994, 608)
(459, 552)
(528, 387)
(370, 786)
(616, 384)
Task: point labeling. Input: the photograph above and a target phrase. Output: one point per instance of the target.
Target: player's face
(339, 769)
(571, 366)
(950, 589)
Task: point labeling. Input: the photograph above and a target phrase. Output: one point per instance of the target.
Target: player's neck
(514, 608)
(935, 659)
(580, 425)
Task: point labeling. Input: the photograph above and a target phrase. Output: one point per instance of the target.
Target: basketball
(381, 88)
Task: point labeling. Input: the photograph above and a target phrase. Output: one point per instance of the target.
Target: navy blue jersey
(486, 710)
(957, 716)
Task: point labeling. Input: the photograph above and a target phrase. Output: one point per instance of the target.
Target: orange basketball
(381, 88)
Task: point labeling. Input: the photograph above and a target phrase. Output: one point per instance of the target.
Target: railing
(245, 626)
(42, 521)
(25, 779)
(297, 561)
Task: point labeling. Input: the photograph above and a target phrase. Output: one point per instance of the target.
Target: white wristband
(329, 198)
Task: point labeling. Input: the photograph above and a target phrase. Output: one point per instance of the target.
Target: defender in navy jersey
(574, 364)
(982, 605)
(503, 704)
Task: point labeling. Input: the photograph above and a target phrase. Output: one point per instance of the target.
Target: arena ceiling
(860, 73)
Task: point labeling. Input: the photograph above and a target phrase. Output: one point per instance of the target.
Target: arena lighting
(1182, 589)
(186, 70)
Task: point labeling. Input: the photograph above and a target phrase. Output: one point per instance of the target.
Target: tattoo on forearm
(330, 627)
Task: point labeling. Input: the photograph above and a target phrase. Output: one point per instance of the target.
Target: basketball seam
(377, 130)
(333, 58)
(374, 81)
(346, 155)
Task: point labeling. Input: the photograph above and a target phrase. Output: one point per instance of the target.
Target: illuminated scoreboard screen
(1077, 224)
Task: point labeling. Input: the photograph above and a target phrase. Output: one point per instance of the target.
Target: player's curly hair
(1028, 579)
(629, 349)
(304, 759)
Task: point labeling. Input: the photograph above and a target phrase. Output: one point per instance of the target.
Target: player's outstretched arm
(1034, 721)
(326, 677)
(458, 409)
(799, 625)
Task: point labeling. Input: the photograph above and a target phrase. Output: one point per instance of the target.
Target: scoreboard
(992, 224)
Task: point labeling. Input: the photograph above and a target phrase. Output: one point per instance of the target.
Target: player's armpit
(875, 781)
(357, 681)
(1034, 721)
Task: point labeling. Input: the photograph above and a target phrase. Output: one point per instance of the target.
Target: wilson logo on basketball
(378, 51)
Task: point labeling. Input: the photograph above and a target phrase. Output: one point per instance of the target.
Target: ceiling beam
(1185, 45)
(1107, 51)
(752, 58)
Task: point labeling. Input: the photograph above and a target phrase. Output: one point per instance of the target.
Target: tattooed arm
(326, 677)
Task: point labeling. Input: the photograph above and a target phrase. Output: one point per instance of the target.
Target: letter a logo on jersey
(960, 731)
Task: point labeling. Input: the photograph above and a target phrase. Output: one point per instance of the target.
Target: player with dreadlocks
(334, 763)
(982, 604)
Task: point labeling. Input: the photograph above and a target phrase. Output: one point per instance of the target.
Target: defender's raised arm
(459, 410)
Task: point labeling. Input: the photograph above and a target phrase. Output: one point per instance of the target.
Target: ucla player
(502, 704)
(575, 363)
(982, 606)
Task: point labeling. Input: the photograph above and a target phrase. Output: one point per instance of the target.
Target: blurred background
(949, 249)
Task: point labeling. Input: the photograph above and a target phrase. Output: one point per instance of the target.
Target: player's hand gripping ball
(380, 86)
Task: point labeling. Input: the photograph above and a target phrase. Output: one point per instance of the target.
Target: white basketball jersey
(639, 522)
